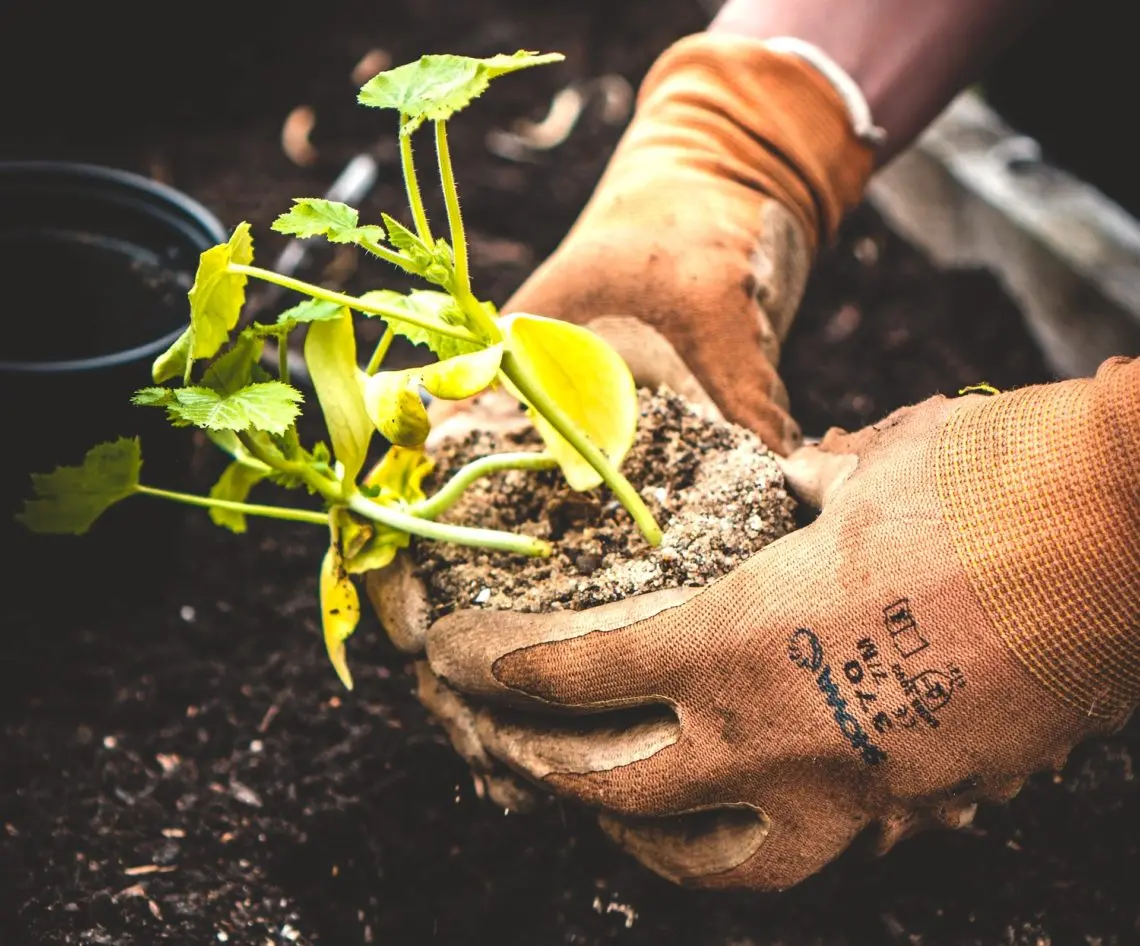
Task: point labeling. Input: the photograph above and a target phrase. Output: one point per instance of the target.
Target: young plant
(578, 391)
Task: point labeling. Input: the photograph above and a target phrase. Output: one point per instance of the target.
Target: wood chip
(372, 62)
(295, 133)
(147, 869)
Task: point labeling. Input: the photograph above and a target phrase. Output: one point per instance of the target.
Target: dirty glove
(965, 608)
(739, 163)
(399, 596)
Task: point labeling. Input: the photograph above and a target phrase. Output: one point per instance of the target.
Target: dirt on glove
(712, 486)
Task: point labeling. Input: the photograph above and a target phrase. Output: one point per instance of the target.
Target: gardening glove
(965, 608)
(739, 163)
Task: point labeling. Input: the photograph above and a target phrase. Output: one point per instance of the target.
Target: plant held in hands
(580, 394)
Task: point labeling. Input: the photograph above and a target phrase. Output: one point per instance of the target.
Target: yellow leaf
(340, 611)
(463, 375)
(392, 401)
(400, 475)
(586, 378)
(330, 356)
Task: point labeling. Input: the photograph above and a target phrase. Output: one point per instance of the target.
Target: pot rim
(154, 193)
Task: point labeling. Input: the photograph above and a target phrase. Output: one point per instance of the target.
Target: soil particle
(716, 491)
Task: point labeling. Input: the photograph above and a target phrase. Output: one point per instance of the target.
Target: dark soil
(190, 771)
(713, 488)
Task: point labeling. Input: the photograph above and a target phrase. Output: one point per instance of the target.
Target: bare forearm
(910, 57)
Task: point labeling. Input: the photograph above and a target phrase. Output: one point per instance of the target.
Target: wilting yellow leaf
(340, 610)
(586, 378)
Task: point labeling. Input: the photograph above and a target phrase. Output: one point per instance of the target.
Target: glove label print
(924, 689)
(806, 651)
(903, 628)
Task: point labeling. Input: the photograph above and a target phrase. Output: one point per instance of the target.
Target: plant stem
(249, 509)
(380, 351)
(537, 397)
(443, 532)
(330, 490)
(448, 494)
(283, 360)
(462, 287)
(411, 182)
(371, 308)
(451, 201)
(389, 256)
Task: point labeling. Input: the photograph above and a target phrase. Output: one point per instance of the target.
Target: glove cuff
(1041, 489)
(774, 110)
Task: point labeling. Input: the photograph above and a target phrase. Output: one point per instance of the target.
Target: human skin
(909, 57)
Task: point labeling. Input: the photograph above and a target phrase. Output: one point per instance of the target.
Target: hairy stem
(249, 509)
(411, 182)
(370, 308)
(462, 286)
(623, 490)
(448, 494)
(330, 490)
(442, 532)
(451, 201)
(380, 351)
(389, 256)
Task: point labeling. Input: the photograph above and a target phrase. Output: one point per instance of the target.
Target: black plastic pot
(95, 264)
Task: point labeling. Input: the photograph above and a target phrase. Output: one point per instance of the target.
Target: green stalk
(411, 182)
(463, 295)
(330, 490)
(451, 201)
(443, 532)
(448, 494)
(371, 308)
(380, 351)
(283, 360)
(249, 509)
(389, 256)
(537, 397)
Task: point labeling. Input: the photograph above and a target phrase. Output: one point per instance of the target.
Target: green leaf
(436, 87)
(336, 222)
(216, 299)
(311, 310)
(340, 610)
(395, 407)
(267, 405)
(152, 397)
(401, 237)
(70, 499)
(234, 370)
(580, 372)
(234, 485)
(173, 362)
(427, 305)
(330, 355)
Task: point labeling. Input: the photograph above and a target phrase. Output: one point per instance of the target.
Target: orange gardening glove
(965, 609)
(738, 164)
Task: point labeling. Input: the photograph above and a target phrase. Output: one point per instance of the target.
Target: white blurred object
(972, 192)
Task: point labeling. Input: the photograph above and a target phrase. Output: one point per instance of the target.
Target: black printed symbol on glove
(805, 650)
(903, 627)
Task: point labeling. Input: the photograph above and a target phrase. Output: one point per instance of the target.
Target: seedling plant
(578, 391)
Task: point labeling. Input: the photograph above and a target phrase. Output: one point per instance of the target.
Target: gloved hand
(738, 164)
(965, 608)
(399, 596)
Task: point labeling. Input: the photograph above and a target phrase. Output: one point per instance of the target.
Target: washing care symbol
(934, 687)
(903, 628)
